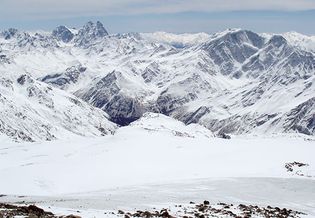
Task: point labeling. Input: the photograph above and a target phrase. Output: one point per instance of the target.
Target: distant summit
(63, 33)
(8, 34)
(89, 32)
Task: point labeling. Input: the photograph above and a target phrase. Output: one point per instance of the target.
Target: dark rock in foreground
(206, 209)
(31, 211)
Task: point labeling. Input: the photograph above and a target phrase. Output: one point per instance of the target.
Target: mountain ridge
(232, 82)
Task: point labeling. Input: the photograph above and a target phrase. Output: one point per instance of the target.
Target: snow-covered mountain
(31, 110)
(235, 81)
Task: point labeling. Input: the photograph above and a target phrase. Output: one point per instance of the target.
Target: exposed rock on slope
(63, 33)
(31, 111)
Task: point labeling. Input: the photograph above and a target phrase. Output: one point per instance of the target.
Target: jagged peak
(89, 32)
(9, 33)
(228, 32)
(238, 35)
(63, 33)
(277, 40)
(96, 29)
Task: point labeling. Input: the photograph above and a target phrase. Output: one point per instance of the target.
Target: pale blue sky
(162, 15)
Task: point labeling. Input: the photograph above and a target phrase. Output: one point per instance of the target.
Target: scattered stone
(289, 166)
(294, 168)
(206, 202)
(164, 213)
(121, 212)
(219, 210)
(224, 135)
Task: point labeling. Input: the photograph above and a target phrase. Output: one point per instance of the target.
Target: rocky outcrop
(62, 80)
(123, 109)
(107, 95)
(301, 118)
(63, 33)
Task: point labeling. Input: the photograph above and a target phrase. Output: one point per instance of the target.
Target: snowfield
(154, 162)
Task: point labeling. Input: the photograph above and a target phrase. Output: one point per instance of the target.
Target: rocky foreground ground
(190, 210)
(31, 211)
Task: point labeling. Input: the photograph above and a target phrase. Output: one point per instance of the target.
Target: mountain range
(88, 82)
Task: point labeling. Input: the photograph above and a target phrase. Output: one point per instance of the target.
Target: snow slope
(305, 42)
(177, 40)
(33, 111)
(153, 150)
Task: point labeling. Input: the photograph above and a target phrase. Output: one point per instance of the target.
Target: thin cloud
(68, 8)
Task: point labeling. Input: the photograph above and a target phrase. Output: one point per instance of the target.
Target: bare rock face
(107, 95)
(234, 47)
(301, 118)
(63, 33)
(124, 110)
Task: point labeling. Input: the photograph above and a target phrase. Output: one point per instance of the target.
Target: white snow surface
(138, 155)
(177, 40)
(303, 41)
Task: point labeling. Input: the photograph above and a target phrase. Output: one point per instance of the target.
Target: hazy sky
(162, 15)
